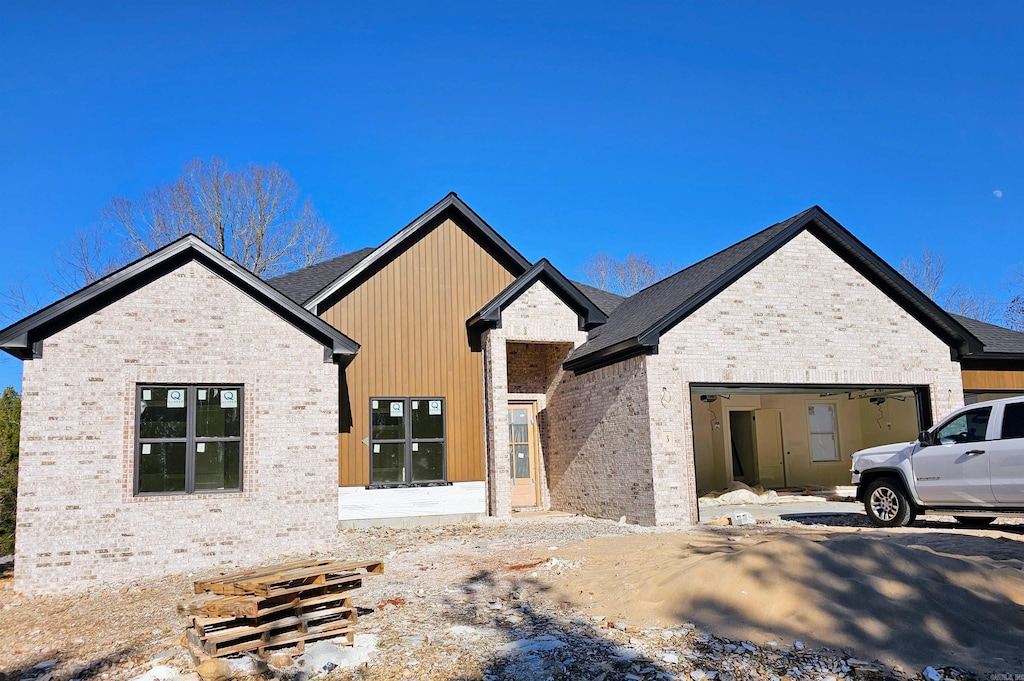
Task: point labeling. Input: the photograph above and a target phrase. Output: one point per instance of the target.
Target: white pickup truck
(969, 466)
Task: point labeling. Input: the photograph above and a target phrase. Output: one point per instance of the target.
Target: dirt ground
(577, 598)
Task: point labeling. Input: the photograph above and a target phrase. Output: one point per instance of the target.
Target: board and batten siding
(410, 321)
(993, 379)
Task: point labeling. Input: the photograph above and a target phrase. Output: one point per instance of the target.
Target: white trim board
(359, 503)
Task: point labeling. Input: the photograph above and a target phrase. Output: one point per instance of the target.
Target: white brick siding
(803, 316)
(78, 521)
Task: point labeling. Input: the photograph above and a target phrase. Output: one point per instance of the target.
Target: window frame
(1002, 424)
(835, 431)
(980, 406)
(190, 439)
(407, 441)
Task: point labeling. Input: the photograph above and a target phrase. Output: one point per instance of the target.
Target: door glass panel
(521, 460)
(518, 433)
(427, 419)
(387, 418)
(427, 461)
(388, 462)
(1013, 420)
(218, 412)
(162, 467)
(968, 427)
(217, 465)
(163, 413)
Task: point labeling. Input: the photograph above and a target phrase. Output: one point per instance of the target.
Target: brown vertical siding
(977, 379)
(410, 319)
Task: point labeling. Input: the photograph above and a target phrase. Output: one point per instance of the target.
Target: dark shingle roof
(996, 338)
(640, 312)
(301, 285)
(605, 300)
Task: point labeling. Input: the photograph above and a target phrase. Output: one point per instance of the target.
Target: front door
(771, 470)
(522, 449)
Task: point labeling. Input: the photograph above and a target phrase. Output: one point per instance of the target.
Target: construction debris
(280, 605)
(738, 493)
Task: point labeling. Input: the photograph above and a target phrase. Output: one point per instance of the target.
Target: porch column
(499, 488)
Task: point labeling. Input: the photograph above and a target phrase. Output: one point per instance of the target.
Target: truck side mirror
(925, 438)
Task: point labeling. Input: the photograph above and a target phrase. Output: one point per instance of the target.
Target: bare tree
(974, 304)
(254, 214)
(598, 271)
(635, 272)
(1014, 314)
(926, 272)
(17, 299)
(624, 277)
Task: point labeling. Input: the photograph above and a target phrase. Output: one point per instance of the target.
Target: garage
(779, 436)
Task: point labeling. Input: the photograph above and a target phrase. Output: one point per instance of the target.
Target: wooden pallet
(287, 578)
(315, 617)
(253, 606)
(279, 605)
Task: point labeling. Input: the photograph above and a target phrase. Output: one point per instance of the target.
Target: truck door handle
(975, 452)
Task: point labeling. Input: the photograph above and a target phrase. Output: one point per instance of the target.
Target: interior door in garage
(771, 467)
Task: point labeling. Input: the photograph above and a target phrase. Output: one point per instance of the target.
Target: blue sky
(672, 129)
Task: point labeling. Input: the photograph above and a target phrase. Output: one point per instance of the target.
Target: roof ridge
(756, 234)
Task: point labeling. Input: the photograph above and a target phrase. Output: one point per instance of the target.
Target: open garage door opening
(782, 437)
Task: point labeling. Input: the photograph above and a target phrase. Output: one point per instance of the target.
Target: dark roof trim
(590, 315)
(843, 244)
(23, 339)
(610, 355)
(449, 205)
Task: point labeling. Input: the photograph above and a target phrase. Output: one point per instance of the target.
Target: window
(821, 420)
(1013, 420)
(970, 426)
(407, 440)
(188, 439)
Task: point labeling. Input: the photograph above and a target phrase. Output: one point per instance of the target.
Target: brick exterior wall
(599, 450)
(78, 522)
(803, 316)
(537, 316)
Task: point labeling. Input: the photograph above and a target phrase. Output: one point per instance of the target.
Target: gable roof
(450, 206)
(24, 339)
(636, 325)
(302, 284)
(590, 315)
(998, 340)
(606, 300)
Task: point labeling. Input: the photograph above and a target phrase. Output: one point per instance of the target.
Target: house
(182, 413)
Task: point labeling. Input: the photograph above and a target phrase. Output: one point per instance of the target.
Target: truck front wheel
(887, 504)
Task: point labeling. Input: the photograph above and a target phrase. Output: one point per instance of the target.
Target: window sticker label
(146, 449)
(434, 407)
(200, 446)
(376, 449)
(147, 394)
(375, 405)
(415, 446)
(397, 409)
(228, 399)
(175, 398)
(201, 394)
(415, 404)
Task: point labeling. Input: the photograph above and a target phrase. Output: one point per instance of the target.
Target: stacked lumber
(275, 606)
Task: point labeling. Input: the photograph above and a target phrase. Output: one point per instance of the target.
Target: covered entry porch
(786, 436)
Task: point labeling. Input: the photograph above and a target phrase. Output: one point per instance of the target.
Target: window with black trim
(188, 439)
(407, 440)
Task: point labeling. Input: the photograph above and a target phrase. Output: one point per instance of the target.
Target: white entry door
(771, 469)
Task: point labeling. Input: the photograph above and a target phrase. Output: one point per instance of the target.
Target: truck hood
(884, 454)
